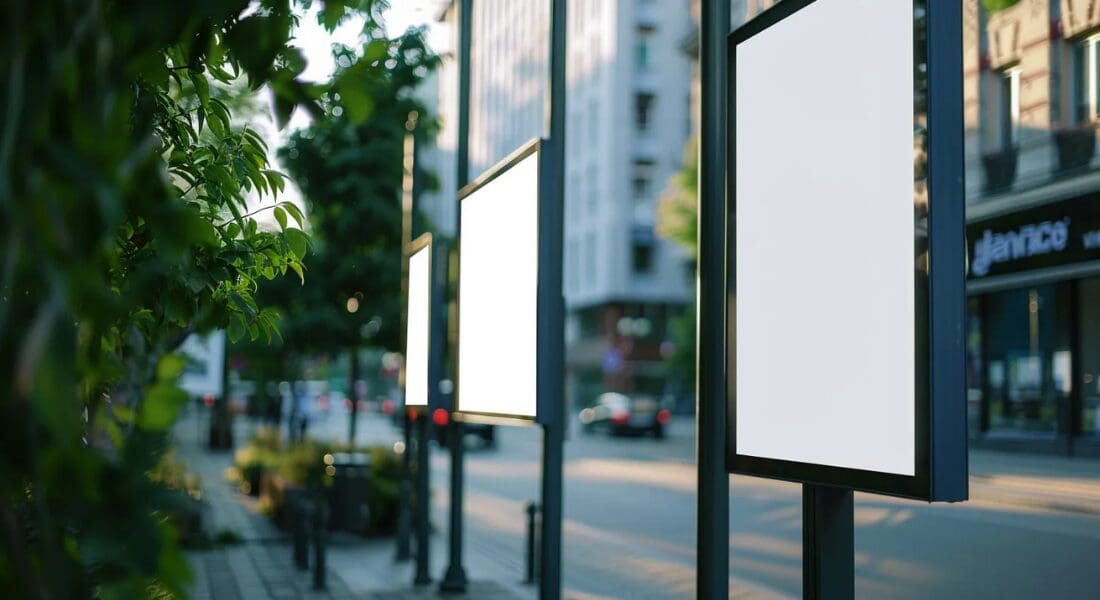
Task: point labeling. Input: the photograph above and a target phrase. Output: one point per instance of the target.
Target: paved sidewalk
(262, 567)
(1054, 483)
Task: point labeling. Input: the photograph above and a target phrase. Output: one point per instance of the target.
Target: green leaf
(202, 87)
(295, 212)
(331, 15)
(256, 41)
(298, 241)
(376, 50)
(236, 329)
(242, 305)
(354, 86)
(280, 216)
(170, 367)
(161, 407)
(232, 230)
(284, 108)
(297, 268)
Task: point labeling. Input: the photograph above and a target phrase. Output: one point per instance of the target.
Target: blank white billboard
(497, 294)
(825, 307)
(417, 329)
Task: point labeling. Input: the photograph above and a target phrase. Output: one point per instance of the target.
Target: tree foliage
(678, 221)
(351, 176)
(677, 209)
(124, 227)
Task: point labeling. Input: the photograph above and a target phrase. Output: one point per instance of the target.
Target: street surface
(1032, 528)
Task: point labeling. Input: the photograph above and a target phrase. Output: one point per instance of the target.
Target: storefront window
(974, 367)
(1089, 303)
(1029, 369)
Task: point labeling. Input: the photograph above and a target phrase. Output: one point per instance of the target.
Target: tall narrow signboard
(423, 353)
(501, 293)
(511, 311)
(418, 323)
(845, 259)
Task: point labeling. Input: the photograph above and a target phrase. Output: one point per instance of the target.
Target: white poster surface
(417, 331)
(825, 308)
(497, 294)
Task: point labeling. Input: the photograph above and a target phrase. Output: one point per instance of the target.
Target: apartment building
(628, 118)
(1032, 98)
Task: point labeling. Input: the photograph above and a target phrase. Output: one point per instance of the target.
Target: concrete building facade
(628, 118)
(1031, 101)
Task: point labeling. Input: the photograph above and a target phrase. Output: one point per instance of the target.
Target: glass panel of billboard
(498, 292)
(824, 195)
(417, 328)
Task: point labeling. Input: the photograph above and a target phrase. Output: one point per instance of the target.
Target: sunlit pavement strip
(614, 553)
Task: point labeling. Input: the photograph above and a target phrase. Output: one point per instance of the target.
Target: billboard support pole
(454, 581)
(423, 549)
(551, 328)
(437, 333)
(408, 210)
(712, 521)
(828, 545)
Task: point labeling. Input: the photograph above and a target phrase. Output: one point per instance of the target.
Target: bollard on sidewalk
(300, 523)
(319, 525)
(532, 511)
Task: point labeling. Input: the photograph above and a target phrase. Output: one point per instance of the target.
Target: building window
(593, 191)
(1087, 79)
(573, 270)
(1028, 370)
(643, 110)
(640, 185)
(1010, 109)
(590, 258)
(641, 52)
(642, 245)
(642, 258)
(1089, 336)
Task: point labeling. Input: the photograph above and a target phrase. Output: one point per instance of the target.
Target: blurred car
(622, 414)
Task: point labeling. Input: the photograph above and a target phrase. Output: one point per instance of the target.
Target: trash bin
(350, 472)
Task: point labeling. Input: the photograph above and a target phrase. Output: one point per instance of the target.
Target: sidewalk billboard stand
(509, 294)
(845, 257)
(424, 331)
(510, 364)
(511, 315)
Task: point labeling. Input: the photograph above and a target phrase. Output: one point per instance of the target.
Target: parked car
(622, 414)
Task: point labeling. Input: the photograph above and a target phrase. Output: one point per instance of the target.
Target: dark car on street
(622, 414)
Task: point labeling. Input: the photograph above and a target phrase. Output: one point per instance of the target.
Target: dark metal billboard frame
(941, 473)
(940, 408)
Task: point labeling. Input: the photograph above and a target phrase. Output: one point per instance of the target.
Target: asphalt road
(629, 526)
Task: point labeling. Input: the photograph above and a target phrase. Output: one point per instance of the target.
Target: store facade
(1033, 334)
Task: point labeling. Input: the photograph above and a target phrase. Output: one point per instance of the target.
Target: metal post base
(828, 543)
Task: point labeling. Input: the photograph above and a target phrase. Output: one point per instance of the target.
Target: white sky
(316, 44)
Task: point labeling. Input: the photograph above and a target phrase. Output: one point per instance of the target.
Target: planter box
(253, 475)
(1000, 169)
(1076, 147)
(186, 515)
